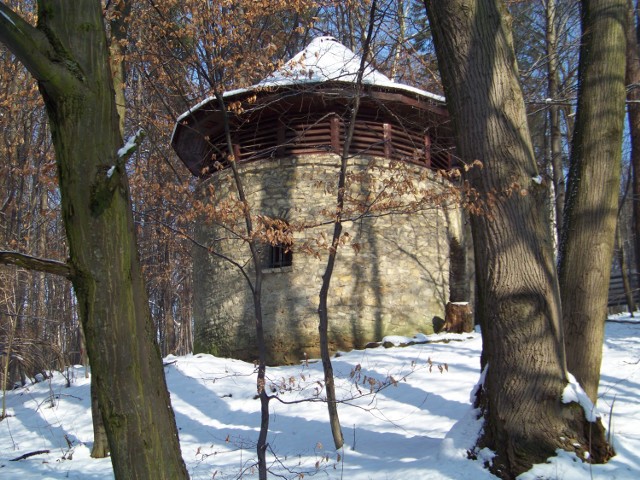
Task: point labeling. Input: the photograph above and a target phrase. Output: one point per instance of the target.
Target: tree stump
(458, 317)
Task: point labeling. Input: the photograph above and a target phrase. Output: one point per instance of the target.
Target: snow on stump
(458, 317)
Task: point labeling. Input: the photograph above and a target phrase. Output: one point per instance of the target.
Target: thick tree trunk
(518, 304)
(590, 216)
(71, 65)
(100, 448)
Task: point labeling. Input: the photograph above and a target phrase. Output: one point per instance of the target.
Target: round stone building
(287, 135)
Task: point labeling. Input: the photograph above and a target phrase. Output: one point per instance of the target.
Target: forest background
(173, 55)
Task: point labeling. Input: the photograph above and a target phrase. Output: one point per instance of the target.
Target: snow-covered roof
(324, 60)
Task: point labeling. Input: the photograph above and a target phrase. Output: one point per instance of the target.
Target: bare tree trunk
(323, 311)
(256, 291)
(400, 40)
(518, 298)
(262, 445)
(633, 112)
(586, 247)
(100, 448)
(323, 327)
(624, 272)
(554, 114)
(71, 63)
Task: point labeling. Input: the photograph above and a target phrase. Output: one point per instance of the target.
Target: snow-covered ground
(416, 424)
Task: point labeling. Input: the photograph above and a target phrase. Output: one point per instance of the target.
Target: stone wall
(391, 276)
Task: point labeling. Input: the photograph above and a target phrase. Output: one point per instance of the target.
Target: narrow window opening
(280, 256)
(278, 238)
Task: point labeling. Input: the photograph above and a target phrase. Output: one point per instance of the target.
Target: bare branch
(30, 454)
(23, 260)
(33, 49)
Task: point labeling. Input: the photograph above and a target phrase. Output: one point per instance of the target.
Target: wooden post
(388, 147)
(335, 134)
(280, 148)
(427, 149)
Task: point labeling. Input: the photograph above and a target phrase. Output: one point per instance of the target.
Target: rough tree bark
(525, 420)
(67, 54)
(118, 28)
(593, 189)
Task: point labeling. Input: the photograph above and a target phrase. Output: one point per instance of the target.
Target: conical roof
(325, 59)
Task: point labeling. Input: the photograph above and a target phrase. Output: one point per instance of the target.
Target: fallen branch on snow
(30, 454)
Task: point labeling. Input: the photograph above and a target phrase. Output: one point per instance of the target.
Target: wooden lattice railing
(320, 133)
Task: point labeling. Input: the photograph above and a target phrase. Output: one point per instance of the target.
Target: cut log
(458, 317)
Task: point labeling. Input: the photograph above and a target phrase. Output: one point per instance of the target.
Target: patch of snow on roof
(324, 59)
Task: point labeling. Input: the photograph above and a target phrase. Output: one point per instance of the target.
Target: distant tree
(553, 90)
(36, 306)
(518, 308)
(624, 224)
(633, 112)
(67, 54)
(546, 37)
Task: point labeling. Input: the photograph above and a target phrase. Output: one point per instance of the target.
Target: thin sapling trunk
(256, 291)
(323, 312)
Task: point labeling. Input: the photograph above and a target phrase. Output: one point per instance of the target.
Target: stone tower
(287, 135)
